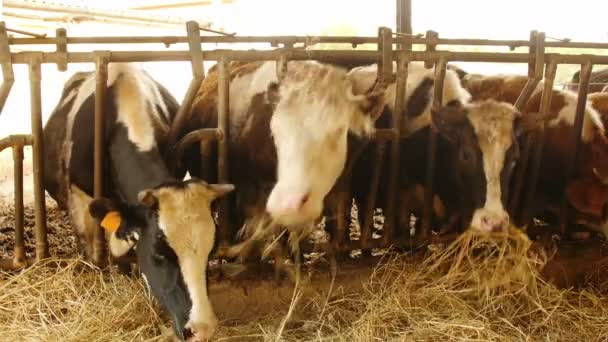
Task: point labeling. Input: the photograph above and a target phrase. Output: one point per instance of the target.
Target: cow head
(172, 232)
(315, 107)
(484, 135)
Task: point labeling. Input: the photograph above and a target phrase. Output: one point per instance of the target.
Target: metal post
(583, 89)
(404, 22)
(440, 70)
(101, 80)
(223, 110)
(8, 77)
(19, 249)
(535, 74)
(42, 248)
(62, 48)
(537, 142)
(394, 183)
(198, 72)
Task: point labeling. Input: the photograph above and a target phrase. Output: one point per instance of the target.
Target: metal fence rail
(391, 49)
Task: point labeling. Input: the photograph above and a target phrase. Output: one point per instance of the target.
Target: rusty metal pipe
(368, 219)
(391, 221)
(404, 22)
(19, 248)
(223, 120)
(583, 89)
(16, 140)
(537, 143)
(204, 134)
(42, 247)
(101, 80)
(198, 75)
(8, 77)
(427, 214)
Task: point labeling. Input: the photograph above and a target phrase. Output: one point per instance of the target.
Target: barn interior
(546, 280)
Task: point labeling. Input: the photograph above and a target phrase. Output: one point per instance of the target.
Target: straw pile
(479, 288)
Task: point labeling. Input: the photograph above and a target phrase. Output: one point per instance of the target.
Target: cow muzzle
(490, 222)
(199, 332)
(291, 207)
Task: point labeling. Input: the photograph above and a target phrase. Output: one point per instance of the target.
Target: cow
(559, 134)
(170, 217)
(413, 150)
(288, 135)
(597, 81)
(588, 191)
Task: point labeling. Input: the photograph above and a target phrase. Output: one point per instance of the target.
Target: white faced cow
(169, 221)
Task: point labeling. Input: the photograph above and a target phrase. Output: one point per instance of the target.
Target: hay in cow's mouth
(482, 287)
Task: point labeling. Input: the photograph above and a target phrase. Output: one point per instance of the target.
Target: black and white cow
(167, 221)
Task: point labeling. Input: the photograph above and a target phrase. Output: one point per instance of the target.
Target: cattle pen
(389, 48)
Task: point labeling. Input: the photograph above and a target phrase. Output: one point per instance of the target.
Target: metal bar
(8, 77)
(537, 142)
(198, 75)
(583, 89)
(404, 22)
(16, 140)
(535, 74)
(204, 134)
(223, 110)
(355, 56)
(430, 47)
(385, 47)
(101, 80)
(292, 40)
(62, 48)
(368, 219)
(394, 183)
(19, 248)
(42, 247)
(9, 264)
(78, 10)
(427, 213)
(31, 34)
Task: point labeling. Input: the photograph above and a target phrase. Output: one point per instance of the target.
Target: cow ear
(98, 208)
(147, 198)
(448, 120)
(374, 106)
(220, 190)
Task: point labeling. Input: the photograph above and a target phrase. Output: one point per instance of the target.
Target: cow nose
(291, 203)
(495, 224)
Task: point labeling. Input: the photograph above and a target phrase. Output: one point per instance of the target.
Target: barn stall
(430, 287)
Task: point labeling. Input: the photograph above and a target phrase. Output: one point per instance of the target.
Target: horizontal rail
(16, 140)
(363, 57)
(307, 40)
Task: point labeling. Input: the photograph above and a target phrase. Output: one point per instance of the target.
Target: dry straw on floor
(479, 288)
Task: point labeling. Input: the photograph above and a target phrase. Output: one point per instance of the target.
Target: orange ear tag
(111, 221)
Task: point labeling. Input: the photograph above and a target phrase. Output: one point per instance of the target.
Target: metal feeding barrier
(391, 49)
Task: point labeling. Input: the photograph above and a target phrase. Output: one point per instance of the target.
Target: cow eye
(158, 258)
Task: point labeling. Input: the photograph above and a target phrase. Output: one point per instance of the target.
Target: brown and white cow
(145, 207)
(559, 135)
(288, 136)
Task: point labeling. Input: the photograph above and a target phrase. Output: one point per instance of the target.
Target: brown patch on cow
(206, 99)
(587, 196)
(498, 87)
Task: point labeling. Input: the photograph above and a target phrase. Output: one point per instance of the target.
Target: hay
(479, 288)
(75, 302)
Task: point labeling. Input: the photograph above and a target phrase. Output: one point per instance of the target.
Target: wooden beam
(179, 4)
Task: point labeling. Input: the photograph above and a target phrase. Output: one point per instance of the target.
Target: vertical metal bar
(368, 219)
(198, 72)
(537, 142)
(535, 74)
(42, 247)
(430, 47)
(19, 249)
(583, 90)
(8, 77)
(101, 79)
(62, 48)
(440, 70)
(223, 109)
(395, 157)
(404, 22)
